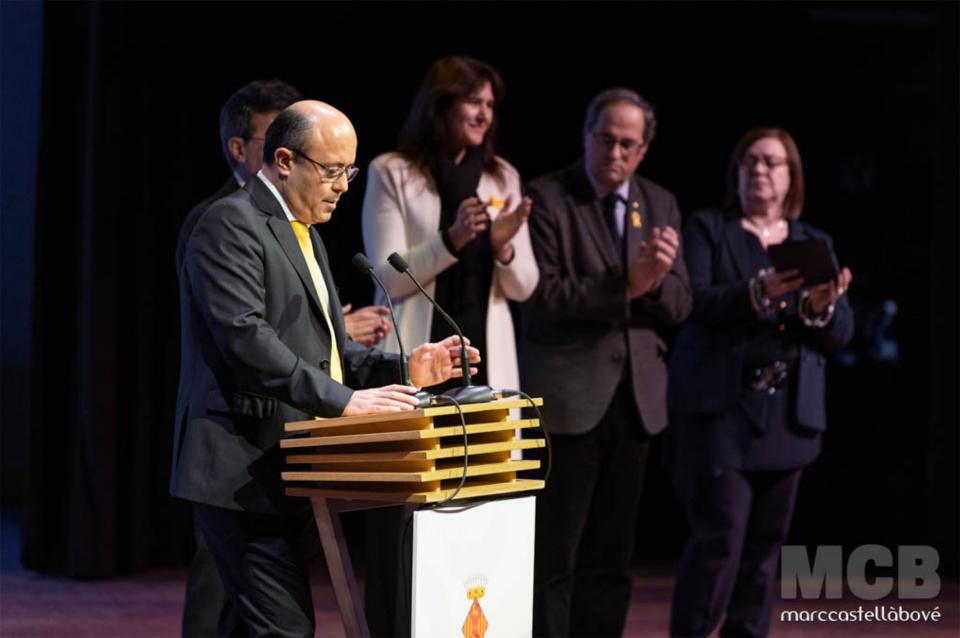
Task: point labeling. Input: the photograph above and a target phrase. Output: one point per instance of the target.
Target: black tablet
(810, 256)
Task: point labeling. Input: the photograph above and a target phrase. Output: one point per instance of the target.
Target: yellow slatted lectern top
(411, 457)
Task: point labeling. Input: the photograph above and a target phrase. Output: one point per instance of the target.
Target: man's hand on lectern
(389, 398)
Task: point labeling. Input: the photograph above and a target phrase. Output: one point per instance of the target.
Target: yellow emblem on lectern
(476, 623)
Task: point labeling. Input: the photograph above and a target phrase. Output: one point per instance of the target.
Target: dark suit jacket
(706, 366)
(255, 350)
(580, 328)
(190, 221)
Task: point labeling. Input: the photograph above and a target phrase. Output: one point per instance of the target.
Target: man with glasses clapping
(612, 281)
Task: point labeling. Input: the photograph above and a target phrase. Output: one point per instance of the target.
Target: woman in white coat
(453, 210)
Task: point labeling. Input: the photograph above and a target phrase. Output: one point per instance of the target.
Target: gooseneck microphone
(467, 393)
(363, 265)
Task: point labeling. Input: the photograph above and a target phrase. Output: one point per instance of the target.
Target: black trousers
(738, 522)
(263, 561)
(203, 601)
(585, 525)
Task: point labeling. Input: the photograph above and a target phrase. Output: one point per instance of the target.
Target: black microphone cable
(466, 450)
(543, 430)
(406, 567)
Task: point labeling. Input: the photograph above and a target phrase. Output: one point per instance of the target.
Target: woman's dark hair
(793, 202)
(424, 135)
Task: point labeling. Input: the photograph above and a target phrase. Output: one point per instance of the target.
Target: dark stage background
(128, 143)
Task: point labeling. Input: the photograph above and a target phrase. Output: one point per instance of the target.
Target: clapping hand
(471, 220)
(654, 261)
(367, 326)
(505, 227)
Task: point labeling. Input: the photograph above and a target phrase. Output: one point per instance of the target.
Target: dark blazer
(255, 350)
(706, 365)
(579, 326)
(190, 221)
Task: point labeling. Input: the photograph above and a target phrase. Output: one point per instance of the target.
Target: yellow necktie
(302, 231)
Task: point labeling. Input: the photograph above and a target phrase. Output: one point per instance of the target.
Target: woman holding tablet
(747, 388)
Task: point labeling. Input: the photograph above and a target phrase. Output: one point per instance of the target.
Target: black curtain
(105, 310)
(129, 143)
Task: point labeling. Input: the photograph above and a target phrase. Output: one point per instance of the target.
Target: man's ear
(237, 149)
(283, 160)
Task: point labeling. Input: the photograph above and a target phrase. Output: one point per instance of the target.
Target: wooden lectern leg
(341, 569)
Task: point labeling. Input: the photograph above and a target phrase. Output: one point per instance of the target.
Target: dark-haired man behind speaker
(612, 281)
(244, 119)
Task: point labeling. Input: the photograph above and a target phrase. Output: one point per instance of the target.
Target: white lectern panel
(473, 570)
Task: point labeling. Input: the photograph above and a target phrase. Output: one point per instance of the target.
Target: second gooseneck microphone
(467, 393)
(363, 265)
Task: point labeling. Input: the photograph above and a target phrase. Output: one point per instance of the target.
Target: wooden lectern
(415, 457)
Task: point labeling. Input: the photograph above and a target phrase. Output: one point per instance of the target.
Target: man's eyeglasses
(770, 161)
(609, 141)
(331, 173)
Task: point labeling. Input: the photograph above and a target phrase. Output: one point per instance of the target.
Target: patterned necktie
(302, 231)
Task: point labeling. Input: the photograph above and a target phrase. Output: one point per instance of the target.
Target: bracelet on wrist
(809, 317)
(758, 296)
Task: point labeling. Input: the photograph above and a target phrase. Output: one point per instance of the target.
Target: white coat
(401, 213)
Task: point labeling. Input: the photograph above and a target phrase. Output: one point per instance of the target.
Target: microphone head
(362, 263)
(398, 262)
